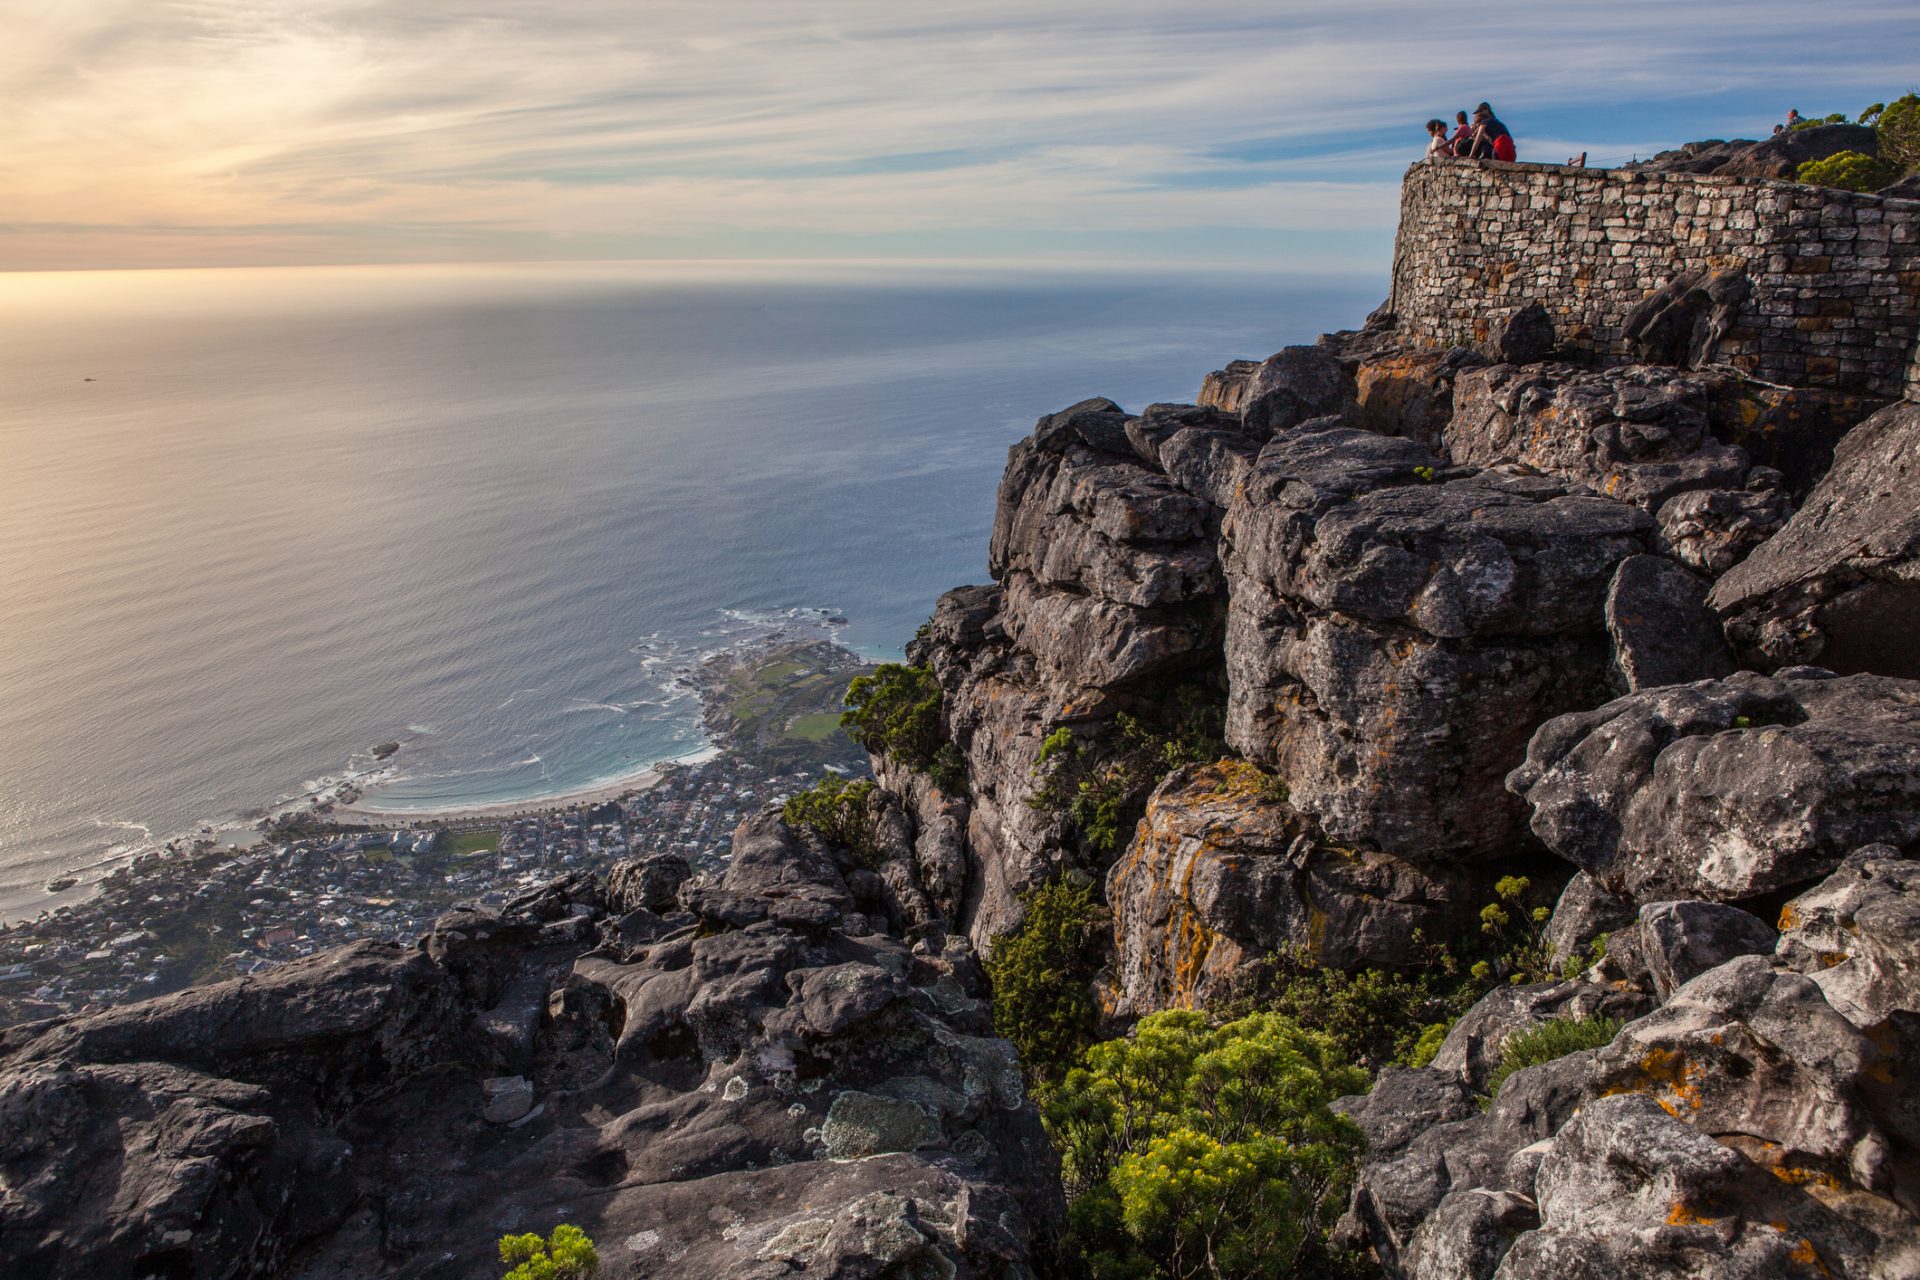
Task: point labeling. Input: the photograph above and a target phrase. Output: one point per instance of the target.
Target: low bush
(1042, 975)
(1193, 1150)
(1375, 1016)
(1548, 1041)
(1101, 789)
(1514, 928)
(895, 711)
(842, 813)
(1848, 171)
(566, 1255)
(1897, 129)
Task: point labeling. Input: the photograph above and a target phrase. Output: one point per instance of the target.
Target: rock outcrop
(1840, 584)
(762, 1080)
(1224, 872)
(1392, 625)
(1724, 790)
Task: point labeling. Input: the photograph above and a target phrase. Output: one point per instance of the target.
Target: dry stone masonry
(1792, 284)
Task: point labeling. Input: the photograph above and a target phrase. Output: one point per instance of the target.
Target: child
(1438, 144)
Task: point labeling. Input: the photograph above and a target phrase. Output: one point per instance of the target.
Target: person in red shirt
(1491, 139)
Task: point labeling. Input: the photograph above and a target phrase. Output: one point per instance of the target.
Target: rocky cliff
(1301, 670)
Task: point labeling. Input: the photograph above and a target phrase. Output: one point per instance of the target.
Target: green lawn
(815, 728)
(462, 843)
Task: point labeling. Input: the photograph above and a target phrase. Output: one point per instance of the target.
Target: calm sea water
(253, 522)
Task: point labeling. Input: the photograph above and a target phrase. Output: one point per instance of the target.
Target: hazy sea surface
(253, 522)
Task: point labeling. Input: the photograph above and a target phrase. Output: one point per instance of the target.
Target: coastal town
(201, 910)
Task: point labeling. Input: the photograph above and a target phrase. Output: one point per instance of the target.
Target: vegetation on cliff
(1101, 787)
(1896, 131)
(895, 712)
(566, 1255)
(839, 812)
(1042, 976)
(1194, 1150)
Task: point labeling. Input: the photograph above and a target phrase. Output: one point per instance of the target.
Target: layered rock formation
(765, 1081)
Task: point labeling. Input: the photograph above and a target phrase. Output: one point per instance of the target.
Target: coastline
(593, 793)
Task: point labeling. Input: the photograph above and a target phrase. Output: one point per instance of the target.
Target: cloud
(382, 129)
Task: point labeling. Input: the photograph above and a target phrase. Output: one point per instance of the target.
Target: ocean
(255, 521)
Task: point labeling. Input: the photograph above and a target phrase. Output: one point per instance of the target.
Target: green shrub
(1375, 1016)
(1427, 1047)
(1837, 117)
(567, 1255)
(1548, 1041)
(1515, 928)
(1193, 1151)
(895, 711)
(1101, 788)
(1898, 132)
(841, 813)
(1848, 171)
(1042, 975)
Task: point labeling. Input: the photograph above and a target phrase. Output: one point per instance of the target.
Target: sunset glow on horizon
(213, 132)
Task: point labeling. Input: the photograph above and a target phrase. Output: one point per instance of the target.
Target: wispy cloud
(204, 131)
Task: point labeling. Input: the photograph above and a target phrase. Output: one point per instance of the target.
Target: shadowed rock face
(772, 1080)
(1727, 789)
(1840, 584)
(1392, 629)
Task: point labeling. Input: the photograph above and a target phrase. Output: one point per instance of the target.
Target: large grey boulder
(1682, 940)
(1840, 584)
(1585, 912)
(1222, 873)
(1712, 530)
(1662, 630)
(1295, 385)
(1857, 935)
(1475, 1043)
(1722, 790)
(1637, 433)
(1393, 633)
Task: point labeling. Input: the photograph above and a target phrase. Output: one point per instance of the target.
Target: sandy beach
(368, 809)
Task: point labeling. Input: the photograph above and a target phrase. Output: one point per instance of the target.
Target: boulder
(1226, 389)
(1295, 385)
(1840, 584)
(1636, 433)
(1410, 393)
(1473, 1046)
(652, 883)
(1724, 790)
(1682, 940)
(1712, 530)
(1662, 631)
(1223, 872)
(1525, 337)
(1684, 321)
(1394, 630)
(1779, 156)
(1585, 911)
(1857, 935)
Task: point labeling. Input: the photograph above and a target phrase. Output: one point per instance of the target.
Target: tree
(841, 812)
(895, 711)
(1042, 973)
(1209, 1152)
(566, 1255)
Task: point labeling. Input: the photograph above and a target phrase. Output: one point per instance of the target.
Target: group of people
(1481, 138)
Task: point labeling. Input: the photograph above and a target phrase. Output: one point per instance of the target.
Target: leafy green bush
(1042, 974)
(895, 711)
(1848, 171)
(567, 1255)
(1550, 1040)
(841, 812)
(1101, 789)
(1837, 117)
(1194, 1151)
(1375, 1016)
(1427, 1047)
(1898, 132)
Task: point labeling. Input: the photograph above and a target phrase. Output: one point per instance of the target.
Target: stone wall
(1835, 276)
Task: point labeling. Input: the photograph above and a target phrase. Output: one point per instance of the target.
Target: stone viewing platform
(1789, 283)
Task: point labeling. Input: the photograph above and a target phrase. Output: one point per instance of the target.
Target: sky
(1202, 133)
